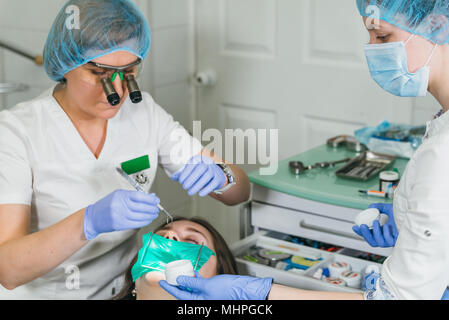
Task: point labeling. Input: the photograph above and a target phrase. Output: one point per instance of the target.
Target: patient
(194, 230)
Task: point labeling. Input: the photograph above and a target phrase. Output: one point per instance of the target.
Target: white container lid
(336, 281)
(351, 278)
(367, 217)
(178, 268)
(389, 175)
(372, 268)
(337, 267)
(383, 219)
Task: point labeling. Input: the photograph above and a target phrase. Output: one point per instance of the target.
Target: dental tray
(366, 166)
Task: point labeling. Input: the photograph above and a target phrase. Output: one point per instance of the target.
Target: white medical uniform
(418, 267)
(45, 163)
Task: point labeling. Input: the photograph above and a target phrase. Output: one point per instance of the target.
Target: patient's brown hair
(226, 263)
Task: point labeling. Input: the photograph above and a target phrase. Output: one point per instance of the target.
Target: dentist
(68, 221)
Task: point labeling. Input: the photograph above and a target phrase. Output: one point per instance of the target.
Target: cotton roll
(337, 268)
(178, 268)
(351, 278)
(367, 217)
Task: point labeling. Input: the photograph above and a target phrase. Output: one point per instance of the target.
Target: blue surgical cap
(427, 18)
(105, 26)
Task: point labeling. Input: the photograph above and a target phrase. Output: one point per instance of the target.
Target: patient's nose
(172, 235)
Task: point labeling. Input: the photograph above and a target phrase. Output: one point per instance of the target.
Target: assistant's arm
(280, 292)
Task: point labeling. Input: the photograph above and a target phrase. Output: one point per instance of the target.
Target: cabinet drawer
(311, 226)
(302, 279)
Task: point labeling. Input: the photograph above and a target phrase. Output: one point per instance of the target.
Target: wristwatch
(231, 178)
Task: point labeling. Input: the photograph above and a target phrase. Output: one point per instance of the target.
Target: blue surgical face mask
(387, 63)
(158, 251)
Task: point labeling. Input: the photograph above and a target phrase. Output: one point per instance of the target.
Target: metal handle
(304, 225)
(12, 87)
(37, 59)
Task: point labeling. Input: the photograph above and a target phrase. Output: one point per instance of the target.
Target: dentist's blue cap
(88, 29)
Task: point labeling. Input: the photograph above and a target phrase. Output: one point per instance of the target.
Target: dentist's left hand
(120, 210)
(221, 287)
(200, 175)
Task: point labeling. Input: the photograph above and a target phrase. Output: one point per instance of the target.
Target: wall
(170, 64)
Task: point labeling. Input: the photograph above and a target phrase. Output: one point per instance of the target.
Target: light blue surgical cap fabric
(105, 26)
(427, 18)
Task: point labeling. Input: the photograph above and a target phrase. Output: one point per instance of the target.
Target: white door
(295, 65)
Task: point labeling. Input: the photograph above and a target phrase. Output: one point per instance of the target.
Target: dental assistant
(68, 220)
(408, 55)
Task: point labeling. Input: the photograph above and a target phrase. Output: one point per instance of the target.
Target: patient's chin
(152, 278)
(148, 287)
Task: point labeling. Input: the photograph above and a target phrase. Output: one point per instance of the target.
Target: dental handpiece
(139, 188)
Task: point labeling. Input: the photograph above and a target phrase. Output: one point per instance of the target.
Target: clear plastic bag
(390, 138)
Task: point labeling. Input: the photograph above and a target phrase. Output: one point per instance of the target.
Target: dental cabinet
(315, 206)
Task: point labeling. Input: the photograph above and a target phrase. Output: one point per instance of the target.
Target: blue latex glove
(201, 175)
(445, 295)
(221, 287)
(120, 210)
(380, 237)
(369, 282)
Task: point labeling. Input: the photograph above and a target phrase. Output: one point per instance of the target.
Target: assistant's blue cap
(427, 18)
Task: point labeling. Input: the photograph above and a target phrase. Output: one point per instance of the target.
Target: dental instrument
(198, 258)
(138, 188)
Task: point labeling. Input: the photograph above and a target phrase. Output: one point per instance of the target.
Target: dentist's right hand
(120, 210)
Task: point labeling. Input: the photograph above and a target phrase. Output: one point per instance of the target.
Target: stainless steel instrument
(138, 188)
(366, 166)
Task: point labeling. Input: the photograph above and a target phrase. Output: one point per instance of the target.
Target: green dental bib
(157, 252)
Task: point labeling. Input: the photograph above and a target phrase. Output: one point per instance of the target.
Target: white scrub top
(419, 264)
(45, 163)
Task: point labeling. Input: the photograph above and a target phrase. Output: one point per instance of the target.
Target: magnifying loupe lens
(111, 94)
(134, 92)
(114, 99)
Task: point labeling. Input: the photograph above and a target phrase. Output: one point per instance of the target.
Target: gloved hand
(221, 287)
(120, 210)
(445, 295)
(201, 175)
(380, 237)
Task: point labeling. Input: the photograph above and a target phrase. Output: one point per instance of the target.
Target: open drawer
(310, 225)
(269, 242)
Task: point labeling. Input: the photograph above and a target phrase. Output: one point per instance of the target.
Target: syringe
(139, 188)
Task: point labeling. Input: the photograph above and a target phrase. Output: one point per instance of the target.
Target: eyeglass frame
(104, 66)
(116, 69)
